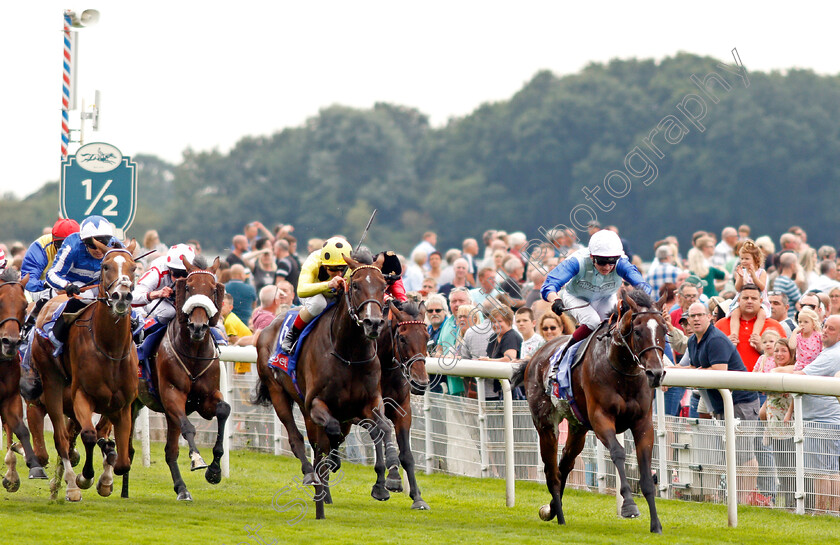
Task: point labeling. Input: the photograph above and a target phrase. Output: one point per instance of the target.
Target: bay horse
(186, 371)
(338, 374)
(613, 389)
(403, 346)
(12, 313)
(96, 372)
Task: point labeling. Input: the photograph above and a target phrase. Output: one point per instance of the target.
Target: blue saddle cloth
(288, 362)
(563, 377)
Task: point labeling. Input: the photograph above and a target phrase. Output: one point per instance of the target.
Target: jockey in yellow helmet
(321, 277)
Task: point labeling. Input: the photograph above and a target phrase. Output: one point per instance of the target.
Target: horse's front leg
(643, 436)
(12, 415)
(402, 429)
(379, 491)
(604, 427)
(214, 405)
(83, 409)
(35, 414)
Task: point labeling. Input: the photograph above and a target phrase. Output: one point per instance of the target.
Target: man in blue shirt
(710, 348)
(244, 295)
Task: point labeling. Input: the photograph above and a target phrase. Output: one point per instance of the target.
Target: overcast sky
(201, 75)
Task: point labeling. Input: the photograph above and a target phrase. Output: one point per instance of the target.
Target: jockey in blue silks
(77, 265)
(586, 282)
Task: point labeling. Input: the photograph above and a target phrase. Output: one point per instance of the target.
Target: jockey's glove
(557, 306)
(72, 289)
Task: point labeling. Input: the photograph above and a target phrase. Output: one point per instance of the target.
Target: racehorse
(613, 389)
(185, 373)
(338, 376)
(402, 351)
(12, 312)
(96, 372)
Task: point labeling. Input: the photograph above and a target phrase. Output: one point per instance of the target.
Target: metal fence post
(427, 417)
(799, 448)
(662, 451)
(225, 387)
(484, 456)
(145, 438)
(510, 474)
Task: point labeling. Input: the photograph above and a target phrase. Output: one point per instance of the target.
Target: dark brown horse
(613, 388)
(402, 353)
(12, 312)
(338, 375)
(96, 372)
(185, 373)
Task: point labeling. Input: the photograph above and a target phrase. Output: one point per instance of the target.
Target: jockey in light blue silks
(586, 282)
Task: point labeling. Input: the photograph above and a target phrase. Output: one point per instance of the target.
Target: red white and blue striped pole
(65, 88)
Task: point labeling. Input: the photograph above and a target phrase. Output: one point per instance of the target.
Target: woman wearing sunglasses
(76, 266)
(321, 276)
(586, 282)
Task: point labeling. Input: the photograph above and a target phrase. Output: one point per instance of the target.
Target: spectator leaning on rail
(821, 453)
(710, 348)
(321, 276)
(589, 280)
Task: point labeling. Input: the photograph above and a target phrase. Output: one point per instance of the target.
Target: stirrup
(58, 345)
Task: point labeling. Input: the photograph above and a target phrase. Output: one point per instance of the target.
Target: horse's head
(365, 293)
(117, 276)
(642, 329)
(198, 298)
(12, 311)
(411, 338)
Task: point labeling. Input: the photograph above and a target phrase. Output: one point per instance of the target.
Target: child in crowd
(806, 338)
(531, 340)
(767, 361)
(749, 271)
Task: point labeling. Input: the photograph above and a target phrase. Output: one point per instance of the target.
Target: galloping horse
(12, 312)
(402, 354)
(97, 372)
(338, 375)
(186, 373)
(613, 388)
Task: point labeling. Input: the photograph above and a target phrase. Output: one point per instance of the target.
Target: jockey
(589, 280)
(77, 265)
(392, 271)
(321, 276)
(154, 290)
(2, 259)
(38, 260)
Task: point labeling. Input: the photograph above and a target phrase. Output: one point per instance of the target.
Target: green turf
(463, 509)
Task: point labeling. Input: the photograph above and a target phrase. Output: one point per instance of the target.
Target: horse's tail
(518, 375)
(261, 395)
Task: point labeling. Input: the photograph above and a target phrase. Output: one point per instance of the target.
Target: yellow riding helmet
(334, 251)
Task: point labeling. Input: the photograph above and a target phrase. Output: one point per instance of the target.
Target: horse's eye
(403, 341)
(355, 285)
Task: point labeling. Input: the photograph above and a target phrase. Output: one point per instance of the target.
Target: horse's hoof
(335, 461)
(379, 492)
(630, 511)
(213, 474)
(83, 482)
(327, 497)
(184, 496)
(545, 513)
(311, 479)
(394, 485)
(420, 505)
(37, 473)
(197, 462)
(105, 490)
(75, 457)
(73, 495)
(11, 486)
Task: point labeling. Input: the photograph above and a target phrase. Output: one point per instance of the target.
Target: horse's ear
(421, 311)
(379, 261)
(99, 246)
(398, 314)
(24, 279)
(220, 297)
(660, 305)
(180, 299)
(216, 264)
(132, 246)
(352, 263)
(189, 266)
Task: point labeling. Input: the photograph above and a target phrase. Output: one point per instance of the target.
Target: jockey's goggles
(177, 273)
(338, 268)
(102, 240)
(603, 260)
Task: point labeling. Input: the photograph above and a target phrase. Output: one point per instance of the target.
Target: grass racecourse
(248, 508)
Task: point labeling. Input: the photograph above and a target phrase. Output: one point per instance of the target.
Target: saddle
(288, 362)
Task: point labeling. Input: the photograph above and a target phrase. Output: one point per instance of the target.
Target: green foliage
(765, 156)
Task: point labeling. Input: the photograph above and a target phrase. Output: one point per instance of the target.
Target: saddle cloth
(288, 362)
(69, 318)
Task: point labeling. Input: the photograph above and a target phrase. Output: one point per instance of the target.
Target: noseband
(354, 312)
(621, 340)
(201, 303)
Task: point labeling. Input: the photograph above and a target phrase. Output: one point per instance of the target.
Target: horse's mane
(412, 308)
(363, 256)
(9, 275)
(639, 297)
(200, 261)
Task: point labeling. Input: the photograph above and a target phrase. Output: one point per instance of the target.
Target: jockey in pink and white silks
(586, 282)
(155, 289)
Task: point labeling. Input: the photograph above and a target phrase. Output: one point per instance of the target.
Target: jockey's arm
(35, 262)
(397, 290)
(559, 277)
(308, 283)
(56, 277)
(629, 273)
(148, 283)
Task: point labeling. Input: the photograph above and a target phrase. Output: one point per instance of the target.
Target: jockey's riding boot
(579, 334)
(137, 331)
(290, 340)
(58, 335)
(218, 336)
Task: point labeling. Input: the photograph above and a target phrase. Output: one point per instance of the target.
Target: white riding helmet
(96, 226)
(173, 256)
(605, 243)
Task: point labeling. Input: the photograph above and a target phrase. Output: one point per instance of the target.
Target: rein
(354, 315)
(168, 339)
(621, 341)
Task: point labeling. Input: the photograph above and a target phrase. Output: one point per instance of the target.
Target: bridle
(620, 339)
(11, 319)
(354, 312)
(122, 280)
(397, 357)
